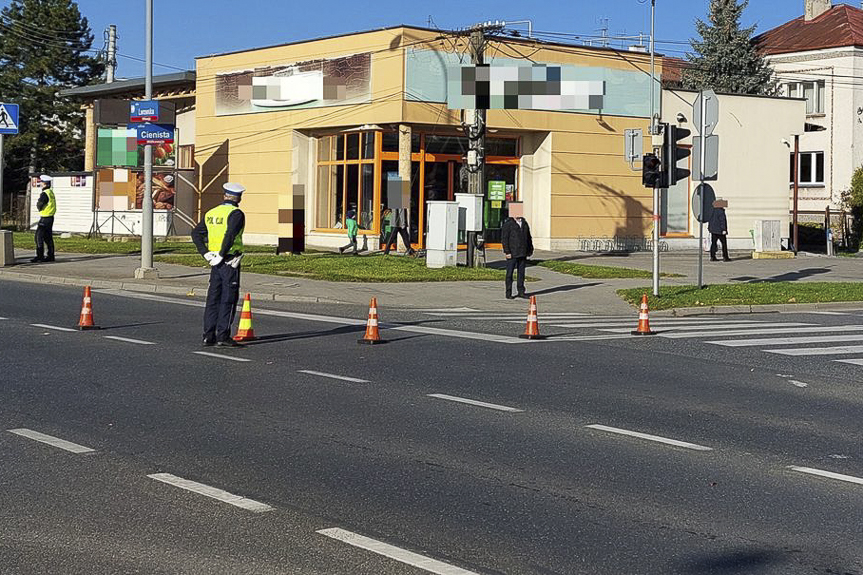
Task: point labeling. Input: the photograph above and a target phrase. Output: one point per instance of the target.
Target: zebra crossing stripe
(786, 340)
(693, 324)
(802, 351)
(850, 361)
(712, 326)
(770, 331)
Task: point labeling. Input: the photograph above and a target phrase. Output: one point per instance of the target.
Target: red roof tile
(840, 26)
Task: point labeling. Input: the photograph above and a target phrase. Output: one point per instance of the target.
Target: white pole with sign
(706, 112)
(147, 202)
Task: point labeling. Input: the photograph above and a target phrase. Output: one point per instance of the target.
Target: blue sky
(189, 28)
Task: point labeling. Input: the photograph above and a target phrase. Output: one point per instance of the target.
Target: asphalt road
(391, 471)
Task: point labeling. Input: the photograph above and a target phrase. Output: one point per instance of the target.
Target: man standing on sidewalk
(517, 246)
(219, 239)
(718, 228)
(47, 206)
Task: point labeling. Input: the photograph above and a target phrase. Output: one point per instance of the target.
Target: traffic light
(651, 171)
(673, 152)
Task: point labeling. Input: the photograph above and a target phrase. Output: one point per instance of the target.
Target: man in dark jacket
(718, 228)
(517, 246)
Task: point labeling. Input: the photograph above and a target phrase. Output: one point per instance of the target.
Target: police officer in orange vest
(219, 239)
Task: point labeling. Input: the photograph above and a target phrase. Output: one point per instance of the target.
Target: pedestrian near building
(47, 206)
(399, 223)
(352, 228)
(517, 247)
(718, 228)
(219, 239)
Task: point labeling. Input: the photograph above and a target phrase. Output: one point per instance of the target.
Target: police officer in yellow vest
(47, 206)
(219, 239)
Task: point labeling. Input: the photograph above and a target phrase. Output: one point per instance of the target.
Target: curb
(141, 287)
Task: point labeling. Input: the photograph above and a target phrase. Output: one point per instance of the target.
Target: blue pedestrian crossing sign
(8, 118)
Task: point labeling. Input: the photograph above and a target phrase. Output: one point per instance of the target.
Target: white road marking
(786, 340)
(475, 402)
(51, 440)
(213, 492)
(54, 327)
(393, 552)
(828, 474)
(332, 376)
(769, 331)
(445, 310)
(850, 361)
(2, 318)
(696, 322)
(659, 326)
(129, 340)
(796, 383)
(220, 356)
(849, 312)
(806, 351)
(503, 314)
(650, 437)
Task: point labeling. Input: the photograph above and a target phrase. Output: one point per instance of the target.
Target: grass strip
(82, 245)
(599, 272)
(756, 293)
(346, 268)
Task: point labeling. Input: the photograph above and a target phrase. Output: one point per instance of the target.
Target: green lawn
(598, 272)
(761, 293)
(346, 268)
(82, 245)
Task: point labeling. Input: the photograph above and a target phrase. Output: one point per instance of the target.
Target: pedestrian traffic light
(651, 171)
(673, 152)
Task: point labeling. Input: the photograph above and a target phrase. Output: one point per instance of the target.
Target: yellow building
(306, 160)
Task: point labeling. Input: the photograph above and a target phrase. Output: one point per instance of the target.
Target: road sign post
(8, 126)
(705, 110)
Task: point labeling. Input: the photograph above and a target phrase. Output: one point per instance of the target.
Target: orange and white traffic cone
(373, 334)
(244, 330)
(643, 320)
(86, 322)
(531, 330)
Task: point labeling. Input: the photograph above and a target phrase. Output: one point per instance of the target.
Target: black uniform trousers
(222, 297)
(391, 240)
(45, 237)
(722, 238)
(511, 265)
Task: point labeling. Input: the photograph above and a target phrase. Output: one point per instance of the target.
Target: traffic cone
(244, 330)
(86, 322)
(643, 320)
(373, 334)
(531, 330)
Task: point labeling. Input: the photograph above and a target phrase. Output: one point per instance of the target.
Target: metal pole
(1, 181)
(476, 174)
(796, 186)
(701, 161)
(147, 201)
(656, 203)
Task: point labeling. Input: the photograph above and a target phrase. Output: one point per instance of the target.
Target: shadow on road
(130, 325)
(786, 277)
(738, 562)
(569, 287)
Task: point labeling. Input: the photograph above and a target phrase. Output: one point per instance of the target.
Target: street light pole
(653, 132)
(147, 201)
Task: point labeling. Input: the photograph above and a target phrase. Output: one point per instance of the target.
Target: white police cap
(45, 178)
(234, 189)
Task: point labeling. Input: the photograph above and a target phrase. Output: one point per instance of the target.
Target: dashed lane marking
(54, 327)
(51, 440)
(220, 356)
(649, 437)
(393, 552)
(333, 376)
(827, 474)
(212, 492)
(475, 402)
(129, 340)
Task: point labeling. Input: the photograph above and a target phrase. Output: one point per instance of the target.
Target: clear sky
(188, 28)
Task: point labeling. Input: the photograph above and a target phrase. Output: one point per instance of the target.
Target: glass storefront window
(454, 145)
(338, 190)
(346, 181)
(391, 142)
(366, 213)
(507, 147)
(325, 145)
(340, 147)
(353, 147)
(368, 145)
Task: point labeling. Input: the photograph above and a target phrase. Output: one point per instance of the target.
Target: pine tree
(725, 59)
(45, 47)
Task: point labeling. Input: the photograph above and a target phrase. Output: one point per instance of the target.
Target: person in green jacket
(352, 227)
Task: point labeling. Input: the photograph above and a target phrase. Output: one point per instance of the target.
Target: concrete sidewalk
(557, 292)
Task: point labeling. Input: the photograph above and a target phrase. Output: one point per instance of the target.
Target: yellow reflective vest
(51, 207)
(217, 226)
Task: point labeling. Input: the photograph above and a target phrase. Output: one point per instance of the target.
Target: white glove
(235, 261)
(213, 258)
(210, 255)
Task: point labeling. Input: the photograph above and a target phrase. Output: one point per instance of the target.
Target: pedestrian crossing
(842, 343)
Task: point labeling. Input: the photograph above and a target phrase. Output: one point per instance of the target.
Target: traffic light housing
(673, 152)
(651, 171)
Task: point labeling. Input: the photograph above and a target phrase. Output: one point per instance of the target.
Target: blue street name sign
(144, 111)
(8, 119)
(153, 133)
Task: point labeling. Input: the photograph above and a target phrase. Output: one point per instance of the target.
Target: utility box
(469, 212)
(768, 237)
(442, 236)
(7, 249)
